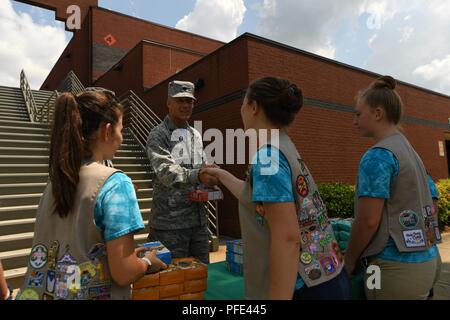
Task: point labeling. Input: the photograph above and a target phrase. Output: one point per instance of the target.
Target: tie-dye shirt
(275, 187)
(117, 211)
(377, 171)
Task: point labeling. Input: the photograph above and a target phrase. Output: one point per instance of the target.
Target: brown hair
(280, 99)
(381, 93)
(76, 118)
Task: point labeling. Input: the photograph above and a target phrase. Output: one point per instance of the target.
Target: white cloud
(436, 73)
(412, 45)
(217, 19)
(402, 35)
(306, 24)
(26, 44)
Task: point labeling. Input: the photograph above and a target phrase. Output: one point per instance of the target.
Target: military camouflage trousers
(190, 242)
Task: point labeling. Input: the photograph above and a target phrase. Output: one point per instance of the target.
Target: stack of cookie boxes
(235, 256)
(184, 279)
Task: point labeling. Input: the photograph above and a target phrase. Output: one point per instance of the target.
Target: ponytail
(66, 152)
(76, 119)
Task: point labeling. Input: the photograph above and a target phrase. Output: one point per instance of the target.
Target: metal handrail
(28, 96)
(71, 83)
(47, 109)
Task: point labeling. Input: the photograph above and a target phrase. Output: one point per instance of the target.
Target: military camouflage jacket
(176, 166)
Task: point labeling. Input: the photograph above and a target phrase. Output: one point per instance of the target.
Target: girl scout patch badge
(38, 256)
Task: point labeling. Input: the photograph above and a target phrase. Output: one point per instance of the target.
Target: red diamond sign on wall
(110, 40)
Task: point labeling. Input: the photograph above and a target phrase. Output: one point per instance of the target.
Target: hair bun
(293, 99)
(385, 82)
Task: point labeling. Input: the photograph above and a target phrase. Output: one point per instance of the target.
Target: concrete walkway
(442, 287)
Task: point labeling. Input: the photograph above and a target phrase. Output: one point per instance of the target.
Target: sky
(408, 39)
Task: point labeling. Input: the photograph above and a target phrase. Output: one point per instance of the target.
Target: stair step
(12, 98)
(14, 118)
(16, 241)
(12, 200)
(26, 124)
(41, 177)
(13, 113)
(24, 143)
(23, 159)
(24, 151)
(22, 188)
(23, 168)
(14, 129)
(12, 108)
(126, 168)
(16, 226)
(29, 212)
(15, 259)
(25, 136)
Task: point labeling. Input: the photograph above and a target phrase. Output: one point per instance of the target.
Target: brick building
(121, 53)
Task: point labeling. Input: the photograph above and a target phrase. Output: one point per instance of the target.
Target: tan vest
(68, 258)
(408, 215)
(320, 257)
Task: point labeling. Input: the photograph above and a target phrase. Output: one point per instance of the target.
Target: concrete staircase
(24, 155)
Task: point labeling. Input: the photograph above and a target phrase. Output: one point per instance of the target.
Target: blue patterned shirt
(377, 171)
(275, 187)
(117, 211)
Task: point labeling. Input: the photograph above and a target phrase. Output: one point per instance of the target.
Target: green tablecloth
(224, 285)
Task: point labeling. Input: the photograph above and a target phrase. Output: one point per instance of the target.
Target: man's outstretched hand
(206, 178)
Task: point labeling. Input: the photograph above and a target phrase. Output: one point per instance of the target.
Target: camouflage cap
(180, 89)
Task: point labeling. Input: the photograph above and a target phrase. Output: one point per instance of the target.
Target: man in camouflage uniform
(175, 150)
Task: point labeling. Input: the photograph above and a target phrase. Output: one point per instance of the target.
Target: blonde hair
(381, 93)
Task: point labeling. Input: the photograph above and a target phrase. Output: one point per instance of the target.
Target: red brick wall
(160, 62)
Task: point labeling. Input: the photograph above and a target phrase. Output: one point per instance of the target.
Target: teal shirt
(271, 180)
(377, 171)
(117, 211)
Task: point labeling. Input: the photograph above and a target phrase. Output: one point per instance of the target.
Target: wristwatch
(149, 263)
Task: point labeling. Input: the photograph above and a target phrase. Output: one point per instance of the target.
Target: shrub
(338, 198)
(443, 187)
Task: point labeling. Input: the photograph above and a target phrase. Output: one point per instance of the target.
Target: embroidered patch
(317, 200)
(28, 294)
(409, 219)
(38, 256)
(50, 282)
(302, 186)
(100, 292)
(313, 272)
(328, 265)
(53, 255)
(36, 279)
(305, 237)
(88, 272)
(414, 238)
(306, 258)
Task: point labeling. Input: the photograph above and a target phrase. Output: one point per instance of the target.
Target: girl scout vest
(408, 215)
(320, 257)
(68, 259)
